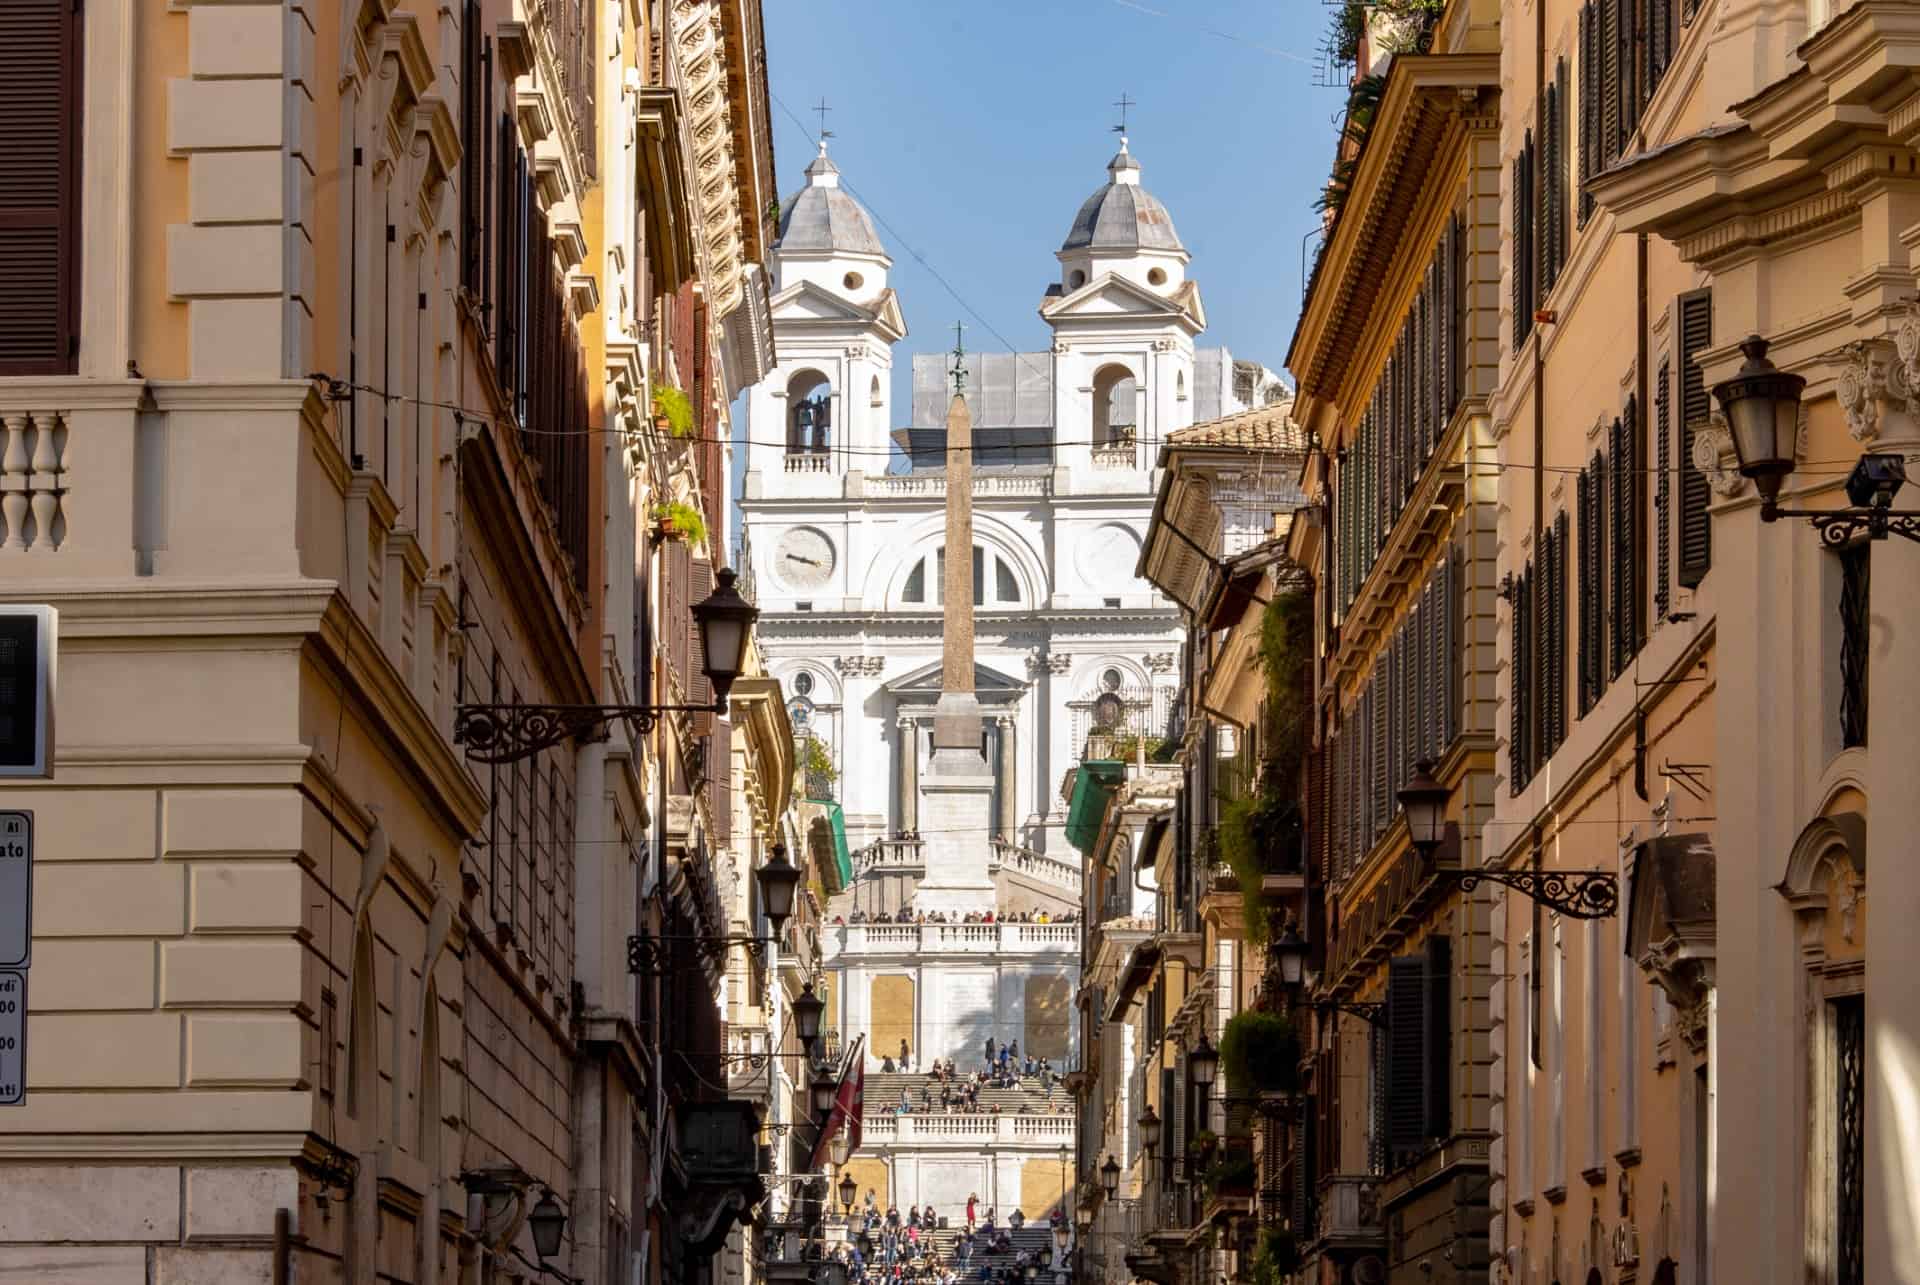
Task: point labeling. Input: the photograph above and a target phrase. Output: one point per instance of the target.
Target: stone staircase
(1035, 1239)
(883, 1094)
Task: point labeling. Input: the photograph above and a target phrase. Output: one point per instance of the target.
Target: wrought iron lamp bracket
(648, 954)
(1373, 1012)
(1577, 894)
(506, 733)
(1840, 527)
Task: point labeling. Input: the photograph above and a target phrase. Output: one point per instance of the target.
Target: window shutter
(1520, 744)
(1589, 107)
(1619, 521)
(1450, 650)
(1696, 528)
(472, 125)
(1377, 771)
(1521, 252)
(1629, 569)
(1631, 35)
(1409, 1078)
(1662, 488)
(1583, 592)
(720, 781)
(1609, 39)
(1377, 1066)
(699, 686)
(1438, 1033)
(1559, 658)
(40, 114)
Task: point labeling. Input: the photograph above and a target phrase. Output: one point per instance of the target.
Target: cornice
(1416, 120)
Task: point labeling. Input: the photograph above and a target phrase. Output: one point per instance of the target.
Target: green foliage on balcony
(1255, 832)
(681, 521)
(672, 405)
(1276, 1258)
(1259, 1052)
(1231, 1175)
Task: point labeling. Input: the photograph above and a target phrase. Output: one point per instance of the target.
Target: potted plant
(1259, 1053)
(672, 411)
(1201, 1145)
(678, 520)
(1231, 1175)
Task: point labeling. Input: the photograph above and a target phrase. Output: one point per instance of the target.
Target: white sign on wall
(16, 889)
(13, 1038)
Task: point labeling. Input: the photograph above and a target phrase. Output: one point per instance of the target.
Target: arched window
(427, 1100)
(996, 582)
(809, 412)
(1180, 386)
(873, 392)
(1114, 413)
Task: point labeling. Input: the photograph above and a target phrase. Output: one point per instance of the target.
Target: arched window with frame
(363, 1040)
(809, 413)
(996, 580)
(1115, 414)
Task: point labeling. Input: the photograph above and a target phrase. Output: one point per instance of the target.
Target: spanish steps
(884, 1088)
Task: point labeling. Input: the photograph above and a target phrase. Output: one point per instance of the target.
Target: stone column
(1009, 774)
(907, 772)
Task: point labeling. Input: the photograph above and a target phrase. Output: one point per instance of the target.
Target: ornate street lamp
(1762, 406)
(1424, 802)
(503, 733)
(778, 880)
(1149, 1123)
(840, 1148)
(807, 1011)
(849, 1189)
(1083, 1217)
(1203, 1064)
(1110, 1171)
(1289, 951)
(824, 1088)
(1061, 1235)
(1578, 894)
(548, 1221)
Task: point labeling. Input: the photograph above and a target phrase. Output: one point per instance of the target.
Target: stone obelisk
(957, 788)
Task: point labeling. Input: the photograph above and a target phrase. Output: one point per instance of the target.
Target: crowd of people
(958, 1093)
(905, 915)
(889, 1248)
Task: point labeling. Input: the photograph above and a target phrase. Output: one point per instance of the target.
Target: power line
(1216, 31)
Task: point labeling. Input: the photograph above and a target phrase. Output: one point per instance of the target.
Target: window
(809, 413)
(995, 580)
(1591, 499)
(1625, 49)
(1525, 252)
(1419, 1050)
(1156, 276)
(40, 62)
(1849, 1117)
(1076, 279)
(1662, 489)
(803, 683)
(1520, 672)
(1114, 411)
(873, 392)
(1696, 528)
(476, 147)
(1005, 588)
(853, 281)
(1551, 185)
(916, 588)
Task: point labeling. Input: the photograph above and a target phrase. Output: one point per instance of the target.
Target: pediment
(809, 302)
(925, 681)
(1111, 296)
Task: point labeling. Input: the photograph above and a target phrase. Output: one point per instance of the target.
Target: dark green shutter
(1408, 1075)
(1696, 528)
(1438, 1036)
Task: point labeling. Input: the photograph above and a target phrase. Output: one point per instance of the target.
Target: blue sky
(973, 131)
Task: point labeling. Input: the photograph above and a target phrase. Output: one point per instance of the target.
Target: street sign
(13, 1039)
(16, 889)
(29, 644)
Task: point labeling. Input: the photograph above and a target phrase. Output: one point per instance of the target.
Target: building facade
(844, 509)
(358, 321)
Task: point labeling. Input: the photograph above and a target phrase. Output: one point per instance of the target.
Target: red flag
(848, 1103)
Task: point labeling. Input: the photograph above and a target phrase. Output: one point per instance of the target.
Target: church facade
(844, 511)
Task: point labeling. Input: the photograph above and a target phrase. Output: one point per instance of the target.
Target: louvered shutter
(1409, 1078)
(1589, 108)
(1543, 625)
(1377, 700)
(1520, 745)
(1609, 41)
(1629, 570)
(1517, 284)
(1438, 1033)
(40, 113)
(1377, 1068)
(720, 781)
(1619, 522)
(1662, 489)
(1631, 34)
(1451, 649)
(472, 125)
(1303, 1165)
(1557, 662)
(1696, 528)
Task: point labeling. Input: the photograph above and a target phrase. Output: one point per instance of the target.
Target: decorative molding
(1160, 662)
(860, 666)
(1713, 455)
(1874, 378)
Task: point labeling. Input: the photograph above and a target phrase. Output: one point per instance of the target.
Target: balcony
(1011, 856)
(747, 1041)
(809, 462)
(954, 939)
(1350, 1214)
(1048, 1132)
(1023, 485)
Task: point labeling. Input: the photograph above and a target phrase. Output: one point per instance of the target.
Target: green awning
(837, 866)
(1093, 784)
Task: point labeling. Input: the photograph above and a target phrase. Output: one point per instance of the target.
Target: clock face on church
(804, 558)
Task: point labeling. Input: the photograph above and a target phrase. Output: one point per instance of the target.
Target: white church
(843, 508)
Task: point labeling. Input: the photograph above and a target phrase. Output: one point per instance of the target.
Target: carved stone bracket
(1876, 382)
(860, 666)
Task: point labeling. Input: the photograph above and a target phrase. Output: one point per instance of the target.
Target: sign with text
(29, 642)
(13, 1038)
(16, 889)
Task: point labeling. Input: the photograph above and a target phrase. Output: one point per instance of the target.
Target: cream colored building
(340, 418)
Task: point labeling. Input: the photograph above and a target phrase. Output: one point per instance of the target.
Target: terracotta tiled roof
(1265, 428)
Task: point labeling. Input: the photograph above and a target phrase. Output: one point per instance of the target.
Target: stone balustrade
(970, 1130)
(33, 483)
(1123, 455)
(955, 939)
(985, 485)
(809, 462)
(1038, 864)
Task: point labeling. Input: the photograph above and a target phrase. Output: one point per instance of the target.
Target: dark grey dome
(822, 219)
(1123, 215)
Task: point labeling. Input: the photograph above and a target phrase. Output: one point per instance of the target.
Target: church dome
(1123, 215)
(822, 219)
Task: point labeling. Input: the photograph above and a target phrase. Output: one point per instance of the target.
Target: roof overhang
(661, 119)
(1430, 103)
(1135, 973)
(756, 707)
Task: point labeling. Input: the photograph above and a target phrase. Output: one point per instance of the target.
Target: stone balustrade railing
(33, 481)
(955, 939)
(1037, 864)
(985, 485)
(890, 852)
(1120, 456)
(1007, 1130)
(809, 462)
